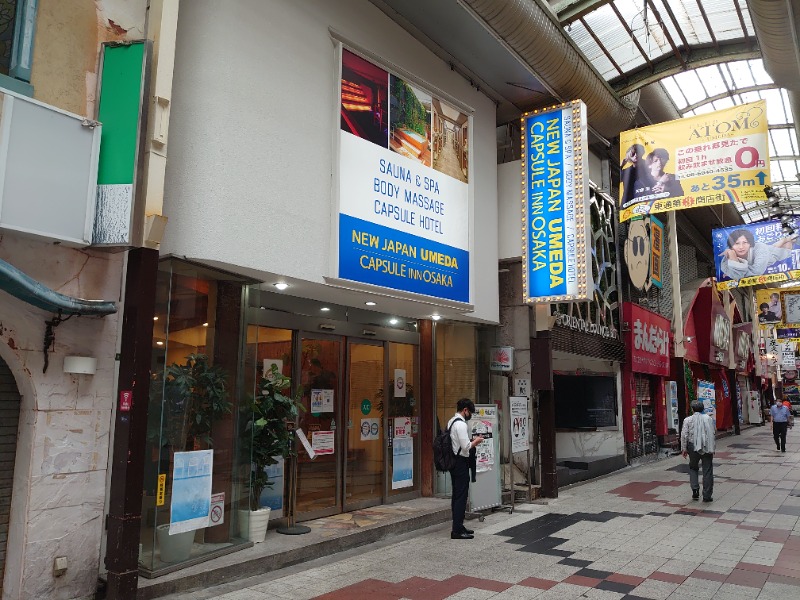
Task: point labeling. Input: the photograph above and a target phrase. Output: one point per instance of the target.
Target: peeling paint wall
(67, 46)
(65, 419)
(63, 448)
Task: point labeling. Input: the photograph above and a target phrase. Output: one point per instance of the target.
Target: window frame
(22, 43)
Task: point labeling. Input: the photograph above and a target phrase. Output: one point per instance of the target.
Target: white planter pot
(253, 524)
(174, 548)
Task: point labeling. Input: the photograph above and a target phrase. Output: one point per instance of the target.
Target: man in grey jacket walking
(698, 442)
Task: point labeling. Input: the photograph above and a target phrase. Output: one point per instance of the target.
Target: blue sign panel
(389, 258)
(555, 192)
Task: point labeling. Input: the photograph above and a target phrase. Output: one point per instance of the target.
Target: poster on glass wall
(190, 507)
(757, 253)
(402, 463)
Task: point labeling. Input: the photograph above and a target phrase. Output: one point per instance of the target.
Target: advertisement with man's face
(702, 160)
(756, 253)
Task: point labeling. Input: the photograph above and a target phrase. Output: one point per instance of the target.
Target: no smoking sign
(217, 514)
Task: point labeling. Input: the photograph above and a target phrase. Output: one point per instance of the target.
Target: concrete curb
(265, 564)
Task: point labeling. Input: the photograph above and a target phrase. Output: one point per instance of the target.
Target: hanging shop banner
(402, 463)
(672, 404)
(555, 198)
(788, 334)
(755, 254)
(706, 395)
(768, 303)
(656, 252)
(519, 423)
(190, 507)
(791, 302)
(787, 355)
(502, 358)
(404, 213)
(713, 158)
(646, 340)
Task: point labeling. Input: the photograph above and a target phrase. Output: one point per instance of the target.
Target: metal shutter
(9, 421)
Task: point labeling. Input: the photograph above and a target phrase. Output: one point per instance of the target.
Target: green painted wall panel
(120, 99)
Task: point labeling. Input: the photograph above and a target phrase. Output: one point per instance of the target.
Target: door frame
(297, 351)
(351, 506)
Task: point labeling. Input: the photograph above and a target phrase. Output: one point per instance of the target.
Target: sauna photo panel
(410, 121)
(450, 141)
(365, 99)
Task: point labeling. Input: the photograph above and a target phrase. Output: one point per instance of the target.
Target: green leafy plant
(195, 395)
(267, 431)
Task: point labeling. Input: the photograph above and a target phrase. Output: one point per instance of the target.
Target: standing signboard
(519, 423)
(706, 395)
(485, 491)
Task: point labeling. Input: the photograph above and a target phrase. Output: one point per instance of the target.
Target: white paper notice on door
(304, 440)
(402, 427)
(321, 401)
(399, 383)
(322, 442)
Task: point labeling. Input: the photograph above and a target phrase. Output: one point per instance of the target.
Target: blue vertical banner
(556, 255)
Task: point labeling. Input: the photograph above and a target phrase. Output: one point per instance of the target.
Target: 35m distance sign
(555, 193)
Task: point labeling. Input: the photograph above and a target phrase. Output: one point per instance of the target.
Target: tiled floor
(635, 534)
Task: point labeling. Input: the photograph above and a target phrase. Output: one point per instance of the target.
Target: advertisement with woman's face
(758, 253)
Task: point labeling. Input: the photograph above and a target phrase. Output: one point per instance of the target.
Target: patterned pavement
(634, 534)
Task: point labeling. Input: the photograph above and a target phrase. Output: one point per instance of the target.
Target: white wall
(253, 119)
(509, 209)
(64, 423)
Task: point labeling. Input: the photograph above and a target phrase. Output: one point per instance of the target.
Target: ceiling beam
(569, 11)
(696, 57)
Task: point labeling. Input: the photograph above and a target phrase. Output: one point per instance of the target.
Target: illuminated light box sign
(555, 194)
(404, 215)
(755, 254)
(714, 158)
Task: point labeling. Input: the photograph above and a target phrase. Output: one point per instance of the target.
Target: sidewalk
(634, 534)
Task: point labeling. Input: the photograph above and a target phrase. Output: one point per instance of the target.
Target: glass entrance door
(403, 413)
(318, 480)
(366, 436)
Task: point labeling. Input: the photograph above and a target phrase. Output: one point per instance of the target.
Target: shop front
(647, 414)
(216, 336)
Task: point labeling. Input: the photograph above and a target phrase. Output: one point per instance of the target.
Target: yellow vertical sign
(162, 485)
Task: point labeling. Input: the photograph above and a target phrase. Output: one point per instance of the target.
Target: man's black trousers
(459, 476)
(779, 433)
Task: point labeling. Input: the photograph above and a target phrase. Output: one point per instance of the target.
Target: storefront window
(191, 478)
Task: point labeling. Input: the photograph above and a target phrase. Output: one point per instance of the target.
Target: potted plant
(195, 395)
(271, 410)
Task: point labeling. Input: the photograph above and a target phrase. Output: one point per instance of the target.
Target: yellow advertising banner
(770, 310)
(714, 158)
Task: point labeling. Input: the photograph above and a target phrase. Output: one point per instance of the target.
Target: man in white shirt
(698, 441)
(459, 474)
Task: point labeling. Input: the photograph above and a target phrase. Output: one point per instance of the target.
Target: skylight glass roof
(634, 42)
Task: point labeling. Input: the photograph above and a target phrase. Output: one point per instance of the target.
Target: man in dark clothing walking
(459, 474)
(780, 422)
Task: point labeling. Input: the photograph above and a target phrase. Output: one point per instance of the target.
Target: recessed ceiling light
(324, 309)
(205, 324)
(155, 318)
(393, 321)
(281, 285)
(159, 343)
(436, 317)
(371, 303)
